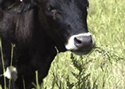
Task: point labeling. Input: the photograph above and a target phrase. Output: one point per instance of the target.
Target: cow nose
(84, 41)
(80, 43)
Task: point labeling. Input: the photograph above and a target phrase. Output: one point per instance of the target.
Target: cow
(38, 31)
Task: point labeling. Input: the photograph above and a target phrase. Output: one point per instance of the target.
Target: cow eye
(52, 11)
(50, 8)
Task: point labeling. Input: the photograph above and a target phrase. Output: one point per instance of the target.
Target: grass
(104, 68)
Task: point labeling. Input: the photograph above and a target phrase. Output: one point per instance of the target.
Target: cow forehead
(71, 14)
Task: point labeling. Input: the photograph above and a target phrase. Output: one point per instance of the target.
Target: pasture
(104, 68)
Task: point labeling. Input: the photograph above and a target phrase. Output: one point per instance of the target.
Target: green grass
(104, 68)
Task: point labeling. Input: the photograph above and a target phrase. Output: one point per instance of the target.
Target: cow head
(67, 24)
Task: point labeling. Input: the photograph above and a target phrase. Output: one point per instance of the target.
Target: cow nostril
(83, 41)
(77, 41)
(91, 40)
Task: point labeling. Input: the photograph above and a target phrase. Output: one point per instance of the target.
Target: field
(104, 68)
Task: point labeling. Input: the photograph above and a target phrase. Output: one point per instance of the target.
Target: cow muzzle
(81, 43)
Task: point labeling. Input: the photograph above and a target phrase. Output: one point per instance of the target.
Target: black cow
(37, 31)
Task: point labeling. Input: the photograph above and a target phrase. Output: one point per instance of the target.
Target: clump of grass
(80, 80)
(83, 81)
(8, 84)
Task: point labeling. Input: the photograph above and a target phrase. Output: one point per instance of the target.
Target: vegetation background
(104, 68)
